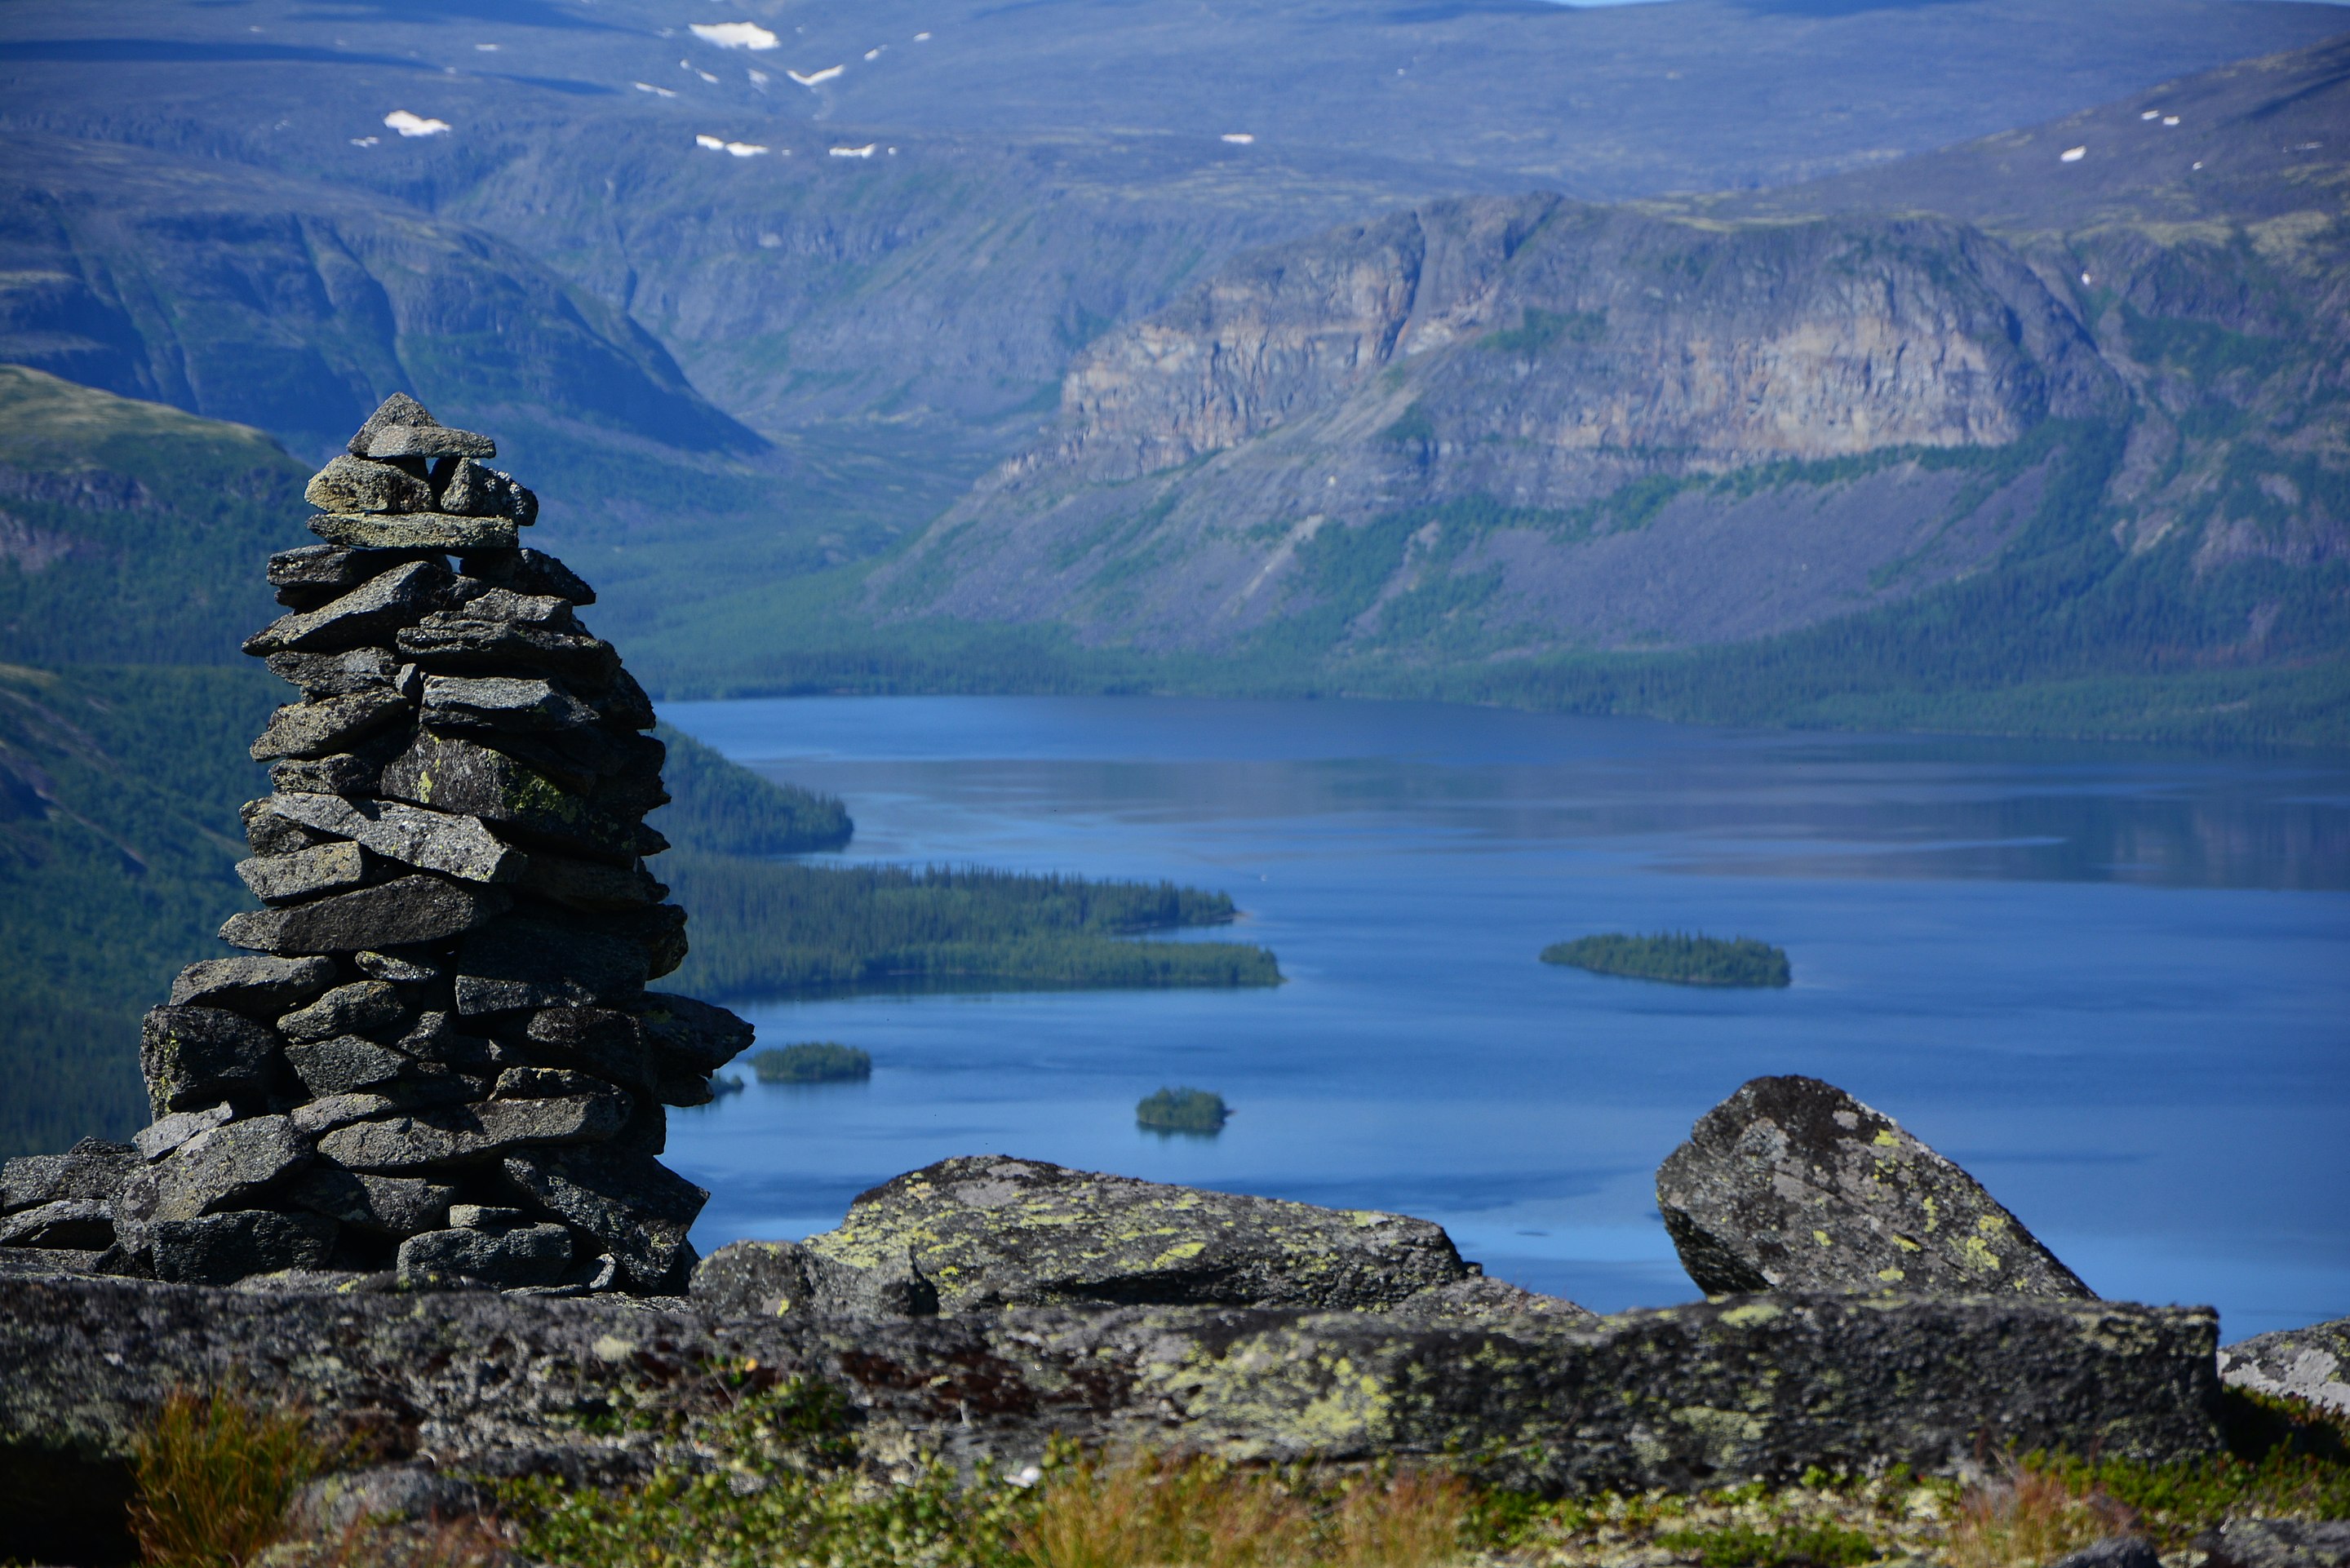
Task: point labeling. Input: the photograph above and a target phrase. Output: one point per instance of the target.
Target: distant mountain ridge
(1503, 428)
(627, 306)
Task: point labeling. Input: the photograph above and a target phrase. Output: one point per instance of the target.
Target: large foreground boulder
(1791, 1184)
(2312, 1363)
(598, 1392)
(990, 1231)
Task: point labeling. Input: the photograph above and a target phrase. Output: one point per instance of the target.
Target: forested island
(1182, 1110)
(813, 1062)
(1680, 958)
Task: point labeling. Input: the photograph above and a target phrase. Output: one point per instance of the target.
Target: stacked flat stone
(436, 1056)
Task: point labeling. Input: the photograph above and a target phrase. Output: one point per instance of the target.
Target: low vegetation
(214, 1475)
(1182, 1110)
(791, 1489)
(779, 1477)
(816, 1062)
(1684, 959)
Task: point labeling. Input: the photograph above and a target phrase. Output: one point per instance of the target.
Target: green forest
(1682, 958)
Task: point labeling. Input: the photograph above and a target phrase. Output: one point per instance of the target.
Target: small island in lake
(1182, 1110)
(816, 1062)
(1682, 958)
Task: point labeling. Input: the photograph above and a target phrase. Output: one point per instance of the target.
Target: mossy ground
(787, 1487)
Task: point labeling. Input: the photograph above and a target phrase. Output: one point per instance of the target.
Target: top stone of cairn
(410, 482)
(402, 428)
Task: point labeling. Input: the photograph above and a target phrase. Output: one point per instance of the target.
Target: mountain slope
(230, 222)
(1489, 433)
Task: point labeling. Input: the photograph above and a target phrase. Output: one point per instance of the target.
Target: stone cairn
(436, 1058)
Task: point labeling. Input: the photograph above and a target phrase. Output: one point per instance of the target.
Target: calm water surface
(2111, 983)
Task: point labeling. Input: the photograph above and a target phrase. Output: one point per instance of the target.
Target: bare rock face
(992, 1232)
(1707, 1395)
(1791, 1184)
(2312, 1363)
(441, 1009)
(2278, 1543)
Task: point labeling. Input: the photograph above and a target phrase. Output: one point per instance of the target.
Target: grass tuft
(2031, 1516)
(215, 1475)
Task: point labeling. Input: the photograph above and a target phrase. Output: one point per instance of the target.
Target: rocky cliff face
(1494, 427)
(1534, 355)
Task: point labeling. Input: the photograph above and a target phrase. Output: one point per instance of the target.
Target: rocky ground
(977, 1363)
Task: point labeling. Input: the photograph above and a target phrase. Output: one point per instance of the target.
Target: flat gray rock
(193, 1057)
(637, 1208)
(335, 674)
(449, 773)
(699, 1035)
(227, 1166)
(531, 572)
(348, 1064)
(591, 885)
(414, 531)
(371, 613)
(418, 908)
(993, 1232)
(2312, 1363)
(474, 490)
(401, 427)
(2278, 1543)
(1791, 1184)
(371, 1007)
(496, 1384)
(501, 703)
(329, 724)
(221, 1249)
(80, 1223)
(252, 983)
(502, 632)
(314, 1119)
(515, 964)
(460, 1134)
(351, 484)
(165, 1134)
(440, 841)
(599, 1040)
(2114, 1551)
(92, 1168)
(523, 1255)
(330, 567)
(300, 874)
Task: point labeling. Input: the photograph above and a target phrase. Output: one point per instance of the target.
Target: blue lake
(2111, 982)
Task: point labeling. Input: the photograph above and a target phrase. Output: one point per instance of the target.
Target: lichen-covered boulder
(596, 1391)
(2278, 1543)
(1791, 1184)
(990, 1231)
(2312, 1363)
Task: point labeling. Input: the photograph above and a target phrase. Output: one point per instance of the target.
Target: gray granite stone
(299, 874)
(254, 984)
(1791, 1184)
(419, 908)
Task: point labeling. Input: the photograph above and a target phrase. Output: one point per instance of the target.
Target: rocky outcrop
(438, 1056)
(2278, 1543)
(986, 1232)
(2312, 1363)
(599, 1392)
(1791, 1184)
(1522, 362)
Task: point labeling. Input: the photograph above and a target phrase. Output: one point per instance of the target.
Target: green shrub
(1182, 1110)
(816, 1062)
(1684, 959)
